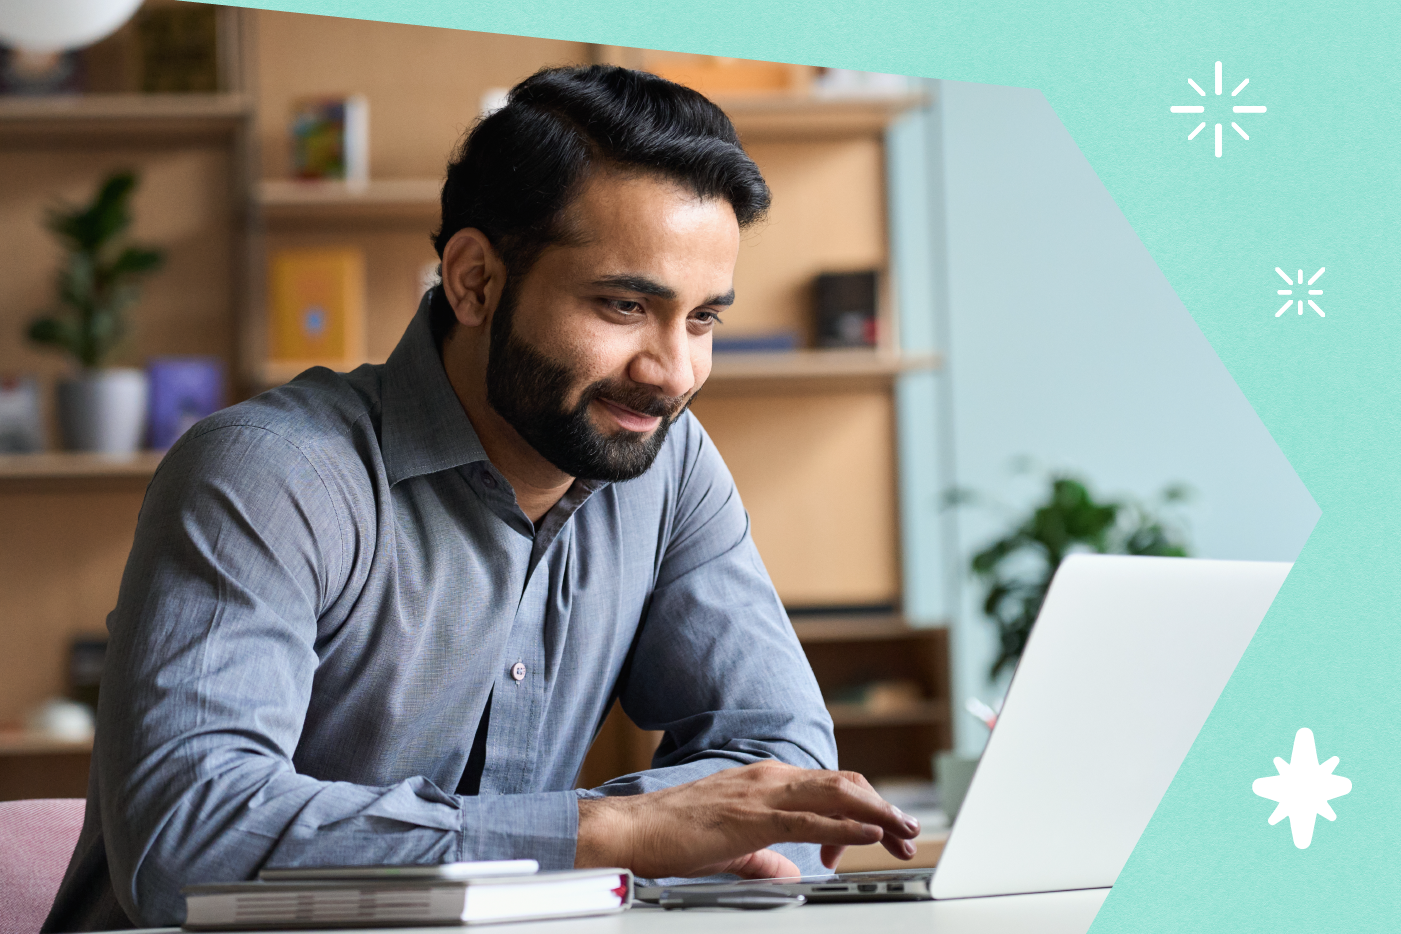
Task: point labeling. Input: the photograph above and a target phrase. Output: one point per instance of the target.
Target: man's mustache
(637, 399)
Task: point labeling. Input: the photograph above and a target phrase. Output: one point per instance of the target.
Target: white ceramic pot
(103, 411)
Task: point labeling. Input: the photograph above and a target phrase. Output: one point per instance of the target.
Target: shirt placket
(522, 687)
(522, 683)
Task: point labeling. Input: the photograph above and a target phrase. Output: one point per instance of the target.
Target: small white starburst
(1290, 291)
(1201, 109)
(1303, 788)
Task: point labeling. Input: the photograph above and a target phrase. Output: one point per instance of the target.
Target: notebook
(246, 906)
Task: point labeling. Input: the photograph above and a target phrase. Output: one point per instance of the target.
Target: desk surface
(1050, 913)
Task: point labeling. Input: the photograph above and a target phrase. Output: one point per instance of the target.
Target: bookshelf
(39, 767)
(117, 118)
(765, 118)
(69, 465)
(406, 198)
(891, 740)
(809, 435)
(895, 742)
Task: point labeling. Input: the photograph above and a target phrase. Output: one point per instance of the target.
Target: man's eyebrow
(639, 284)
(644, 286)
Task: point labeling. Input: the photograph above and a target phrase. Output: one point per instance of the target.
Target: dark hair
(516, 172)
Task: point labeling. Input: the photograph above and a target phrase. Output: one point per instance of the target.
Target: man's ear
(473, 277)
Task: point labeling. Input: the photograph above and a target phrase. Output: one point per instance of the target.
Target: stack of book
(381, 896)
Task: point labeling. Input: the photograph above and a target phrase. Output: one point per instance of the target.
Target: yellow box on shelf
(316, 306)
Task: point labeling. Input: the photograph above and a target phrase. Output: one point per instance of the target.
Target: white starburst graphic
(1303, 788)
(1290, 291)
(1201, 109)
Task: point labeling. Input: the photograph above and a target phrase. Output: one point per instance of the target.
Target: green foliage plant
(1017, 568)
(99, 279)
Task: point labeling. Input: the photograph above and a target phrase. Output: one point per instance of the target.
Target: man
(378, 617)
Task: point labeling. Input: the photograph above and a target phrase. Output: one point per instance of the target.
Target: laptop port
(895, 887)
(867, 887)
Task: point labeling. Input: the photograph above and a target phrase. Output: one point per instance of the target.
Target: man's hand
(725, 822)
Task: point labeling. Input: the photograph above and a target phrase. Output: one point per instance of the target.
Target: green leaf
(136, 260)
(88, 229)
(51, 331)
(100, 278)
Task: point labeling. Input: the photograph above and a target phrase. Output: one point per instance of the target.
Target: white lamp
(39, 26)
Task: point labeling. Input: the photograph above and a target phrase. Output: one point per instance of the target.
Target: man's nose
(665, 362)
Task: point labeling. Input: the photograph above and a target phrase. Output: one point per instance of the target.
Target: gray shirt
(327, 584)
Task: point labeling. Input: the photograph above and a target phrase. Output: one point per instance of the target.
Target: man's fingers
(806, 827)
(900, 849)
(763, 864)
(834, 794)
(832, 855)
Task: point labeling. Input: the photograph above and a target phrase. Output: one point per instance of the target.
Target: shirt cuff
(543, 827)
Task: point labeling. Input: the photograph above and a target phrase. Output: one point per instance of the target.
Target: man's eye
(707, 318)
(625, 306)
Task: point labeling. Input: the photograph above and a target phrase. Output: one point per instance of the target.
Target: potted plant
(101, 408)
(1017, 568)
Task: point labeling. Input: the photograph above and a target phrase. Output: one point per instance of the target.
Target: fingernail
(910, 848)
(910, 823)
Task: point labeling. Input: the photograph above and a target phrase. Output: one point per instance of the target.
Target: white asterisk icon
(1303, 788)
(1200, 109)
(1290, 291)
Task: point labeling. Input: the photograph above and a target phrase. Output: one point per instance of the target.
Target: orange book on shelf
(316, 306)
(711, 74)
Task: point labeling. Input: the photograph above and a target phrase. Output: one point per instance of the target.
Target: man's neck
(538, 484)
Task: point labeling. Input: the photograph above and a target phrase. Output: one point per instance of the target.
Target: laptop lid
(1126, 660)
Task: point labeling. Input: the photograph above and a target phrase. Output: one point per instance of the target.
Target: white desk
(1052, 913)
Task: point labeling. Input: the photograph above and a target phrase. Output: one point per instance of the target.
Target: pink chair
(36, 840)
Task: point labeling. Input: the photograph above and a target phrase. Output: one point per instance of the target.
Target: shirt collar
(424, 428)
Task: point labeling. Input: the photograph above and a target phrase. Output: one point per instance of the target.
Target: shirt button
(518, 671)
(488, 481)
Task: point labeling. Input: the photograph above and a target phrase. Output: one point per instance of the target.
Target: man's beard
(529, 390)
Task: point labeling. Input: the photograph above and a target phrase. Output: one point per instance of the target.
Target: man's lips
(628, 419)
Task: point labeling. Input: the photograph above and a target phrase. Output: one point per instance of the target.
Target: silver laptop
(1126, 660)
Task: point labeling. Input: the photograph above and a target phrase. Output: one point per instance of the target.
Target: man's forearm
(228, 827)
(604, 835)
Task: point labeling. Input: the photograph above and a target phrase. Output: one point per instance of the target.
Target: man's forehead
(613, 205)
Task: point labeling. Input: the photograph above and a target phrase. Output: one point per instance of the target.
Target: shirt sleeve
(716, 664)
(240, 546)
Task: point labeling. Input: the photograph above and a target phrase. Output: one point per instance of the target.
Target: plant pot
(953, 773)
(103, 411)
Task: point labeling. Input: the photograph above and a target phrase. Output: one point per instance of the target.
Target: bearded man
(378, 617)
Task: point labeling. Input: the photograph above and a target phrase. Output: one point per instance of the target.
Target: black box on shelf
(844, 309)
(86, 657)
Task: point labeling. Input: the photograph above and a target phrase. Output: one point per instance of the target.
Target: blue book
(774, 342)
(183, 391)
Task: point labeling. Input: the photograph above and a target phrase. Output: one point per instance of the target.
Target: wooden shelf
(811, 370)
(379, 199)
(743, 373)
(142, 117)
(854, 715)
(858, 628)
(65, 465)
(765, 117)
(21, 743)
(275, 373)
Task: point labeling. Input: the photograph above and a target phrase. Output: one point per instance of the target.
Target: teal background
(1317, 185)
